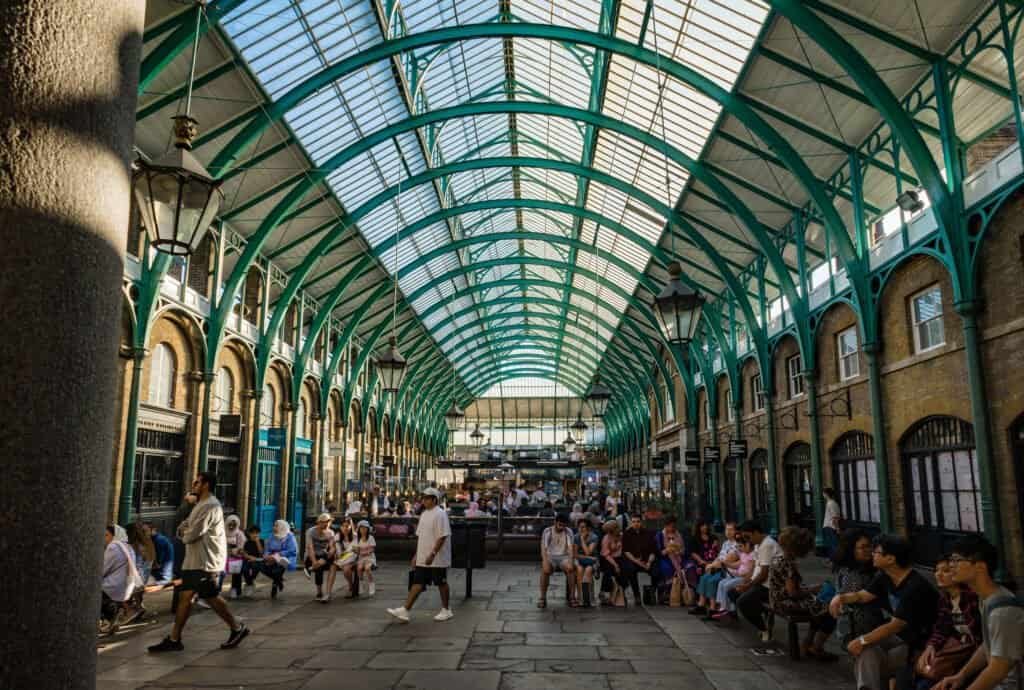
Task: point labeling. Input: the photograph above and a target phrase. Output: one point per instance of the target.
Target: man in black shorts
(206, 551)
(433, 556)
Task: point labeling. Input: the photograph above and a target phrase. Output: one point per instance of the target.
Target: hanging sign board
(692, 458)
(711, 454)
(738, 449)
(230, 425)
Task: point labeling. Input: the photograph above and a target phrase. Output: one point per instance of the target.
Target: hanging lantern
(569, 444)
(579, 426)
(678, 308)
(477, 436)
(392, 367)
(177, 198)
(453, 417)
(599, 398)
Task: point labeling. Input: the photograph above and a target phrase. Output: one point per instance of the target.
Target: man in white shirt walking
(432, 559)
(206, 551)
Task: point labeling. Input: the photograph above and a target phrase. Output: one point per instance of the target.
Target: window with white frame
(926, 317)
(757, 392)
(730, 413)
(848, 350)
(268, 403)
(162, 372)
(300, 419)
(669, 413)
(224, 391)
(794, 376)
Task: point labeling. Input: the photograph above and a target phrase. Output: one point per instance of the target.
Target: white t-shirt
(831, 514)
(432, 526)
(765, 553)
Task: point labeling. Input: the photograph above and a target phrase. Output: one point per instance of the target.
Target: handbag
(947, 660)
(346, 558)
(675, 595)
(233, 565)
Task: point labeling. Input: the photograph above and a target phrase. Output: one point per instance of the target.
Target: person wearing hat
(365, 547)
(433, 556)
(558, 552)
(320, 552)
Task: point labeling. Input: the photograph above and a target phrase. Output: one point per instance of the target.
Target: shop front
(159, 480)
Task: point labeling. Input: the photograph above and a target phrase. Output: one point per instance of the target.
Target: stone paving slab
(498, 640)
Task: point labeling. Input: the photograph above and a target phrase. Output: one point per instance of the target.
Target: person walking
(205, 556)
(832, 521)
(432, 559)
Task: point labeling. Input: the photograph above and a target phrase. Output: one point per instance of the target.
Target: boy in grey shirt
(997, 663)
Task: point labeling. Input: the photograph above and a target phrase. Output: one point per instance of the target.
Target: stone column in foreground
(68, 80)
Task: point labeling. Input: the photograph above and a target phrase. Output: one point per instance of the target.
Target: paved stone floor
(498, 640)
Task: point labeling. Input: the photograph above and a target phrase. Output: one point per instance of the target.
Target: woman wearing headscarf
(236, 546)
(279, 556)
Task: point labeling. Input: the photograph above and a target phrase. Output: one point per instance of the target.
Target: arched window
(268, 403)
(163, 370)
(759, 492)
(300, 419)
(943, 492)
(670, 413)
(799, 490)
(730, 485)
(856, 483)
(224, 392)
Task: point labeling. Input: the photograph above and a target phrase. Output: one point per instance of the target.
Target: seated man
(640, 551)
(558, 551)
(997, 662)
(163, 564)
(889, 650)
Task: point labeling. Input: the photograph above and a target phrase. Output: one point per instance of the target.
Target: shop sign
(712, 454)
(738, 449)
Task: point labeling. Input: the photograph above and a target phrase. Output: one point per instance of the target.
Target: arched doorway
(759, 493)
(1017, 451)
(855, 479)
(943, 494)
(799, 489)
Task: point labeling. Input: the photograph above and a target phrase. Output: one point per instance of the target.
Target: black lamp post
(392, 367)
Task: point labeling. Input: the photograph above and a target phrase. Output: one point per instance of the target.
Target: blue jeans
(707, 586)
(163, 573)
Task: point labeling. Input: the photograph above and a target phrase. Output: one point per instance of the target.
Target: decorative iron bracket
(838, 405)
(788, 421)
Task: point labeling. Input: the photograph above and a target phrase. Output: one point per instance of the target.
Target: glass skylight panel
(582, 14)
(423, 15)
(557, 133)
(527, 387)
(548, 68)
(462, 135)
(462, 72)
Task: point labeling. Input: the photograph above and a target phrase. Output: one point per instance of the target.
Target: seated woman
(744, 569)
(853, 568)
(612, 560)
(345, 559)
(787, 595)
(588, 550)
(279, 556)
(671, 554)
(715, 571)
(701, 551)
(956, 633)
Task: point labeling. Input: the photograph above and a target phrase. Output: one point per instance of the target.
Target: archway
(941, 485)
(855, 480)
(799, 488)
(759, 489)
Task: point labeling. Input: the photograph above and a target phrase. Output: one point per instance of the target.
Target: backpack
(1003, 602)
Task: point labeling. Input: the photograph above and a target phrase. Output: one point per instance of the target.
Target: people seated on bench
(789, 597)
(639, 551)
(956, 633)
(997, 662)
(717, 570)
(725, 607)
(888, 651)
(701, 550)
(588, 551)
(558, 553)
(853, 569)
(671, 554)
(752, 596)
(612, 570)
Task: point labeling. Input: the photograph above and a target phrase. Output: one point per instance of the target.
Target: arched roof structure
(526, 169)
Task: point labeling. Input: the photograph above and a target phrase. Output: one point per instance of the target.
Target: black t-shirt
(914, 601)
(252, 548)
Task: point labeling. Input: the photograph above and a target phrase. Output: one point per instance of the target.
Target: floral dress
(805, 602)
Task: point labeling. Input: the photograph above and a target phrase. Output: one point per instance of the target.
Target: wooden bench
(792, 631)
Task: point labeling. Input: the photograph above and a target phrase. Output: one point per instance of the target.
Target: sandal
(574, 604)
(542, 604)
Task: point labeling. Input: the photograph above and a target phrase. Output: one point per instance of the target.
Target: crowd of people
(903, 631)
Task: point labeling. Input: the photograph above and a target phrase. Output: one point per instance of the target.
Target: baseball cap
(324, 517)
(431, 491)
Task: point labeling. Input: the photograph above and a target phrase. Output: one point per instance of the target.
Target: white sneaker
(444, 615)
(372, 590)
(401, 613)
(201, 603)
(248, 590)
(232, 594)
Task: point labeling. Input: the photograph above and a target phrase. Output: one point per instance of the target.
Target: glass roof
(524, 208)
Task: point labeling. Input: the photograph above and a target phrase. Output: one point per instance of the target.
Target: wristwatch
(863, 641)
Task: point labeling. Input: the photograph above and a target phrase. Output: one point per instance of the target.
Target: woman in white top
(365, 546)
(832, 522)
(345, 560)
